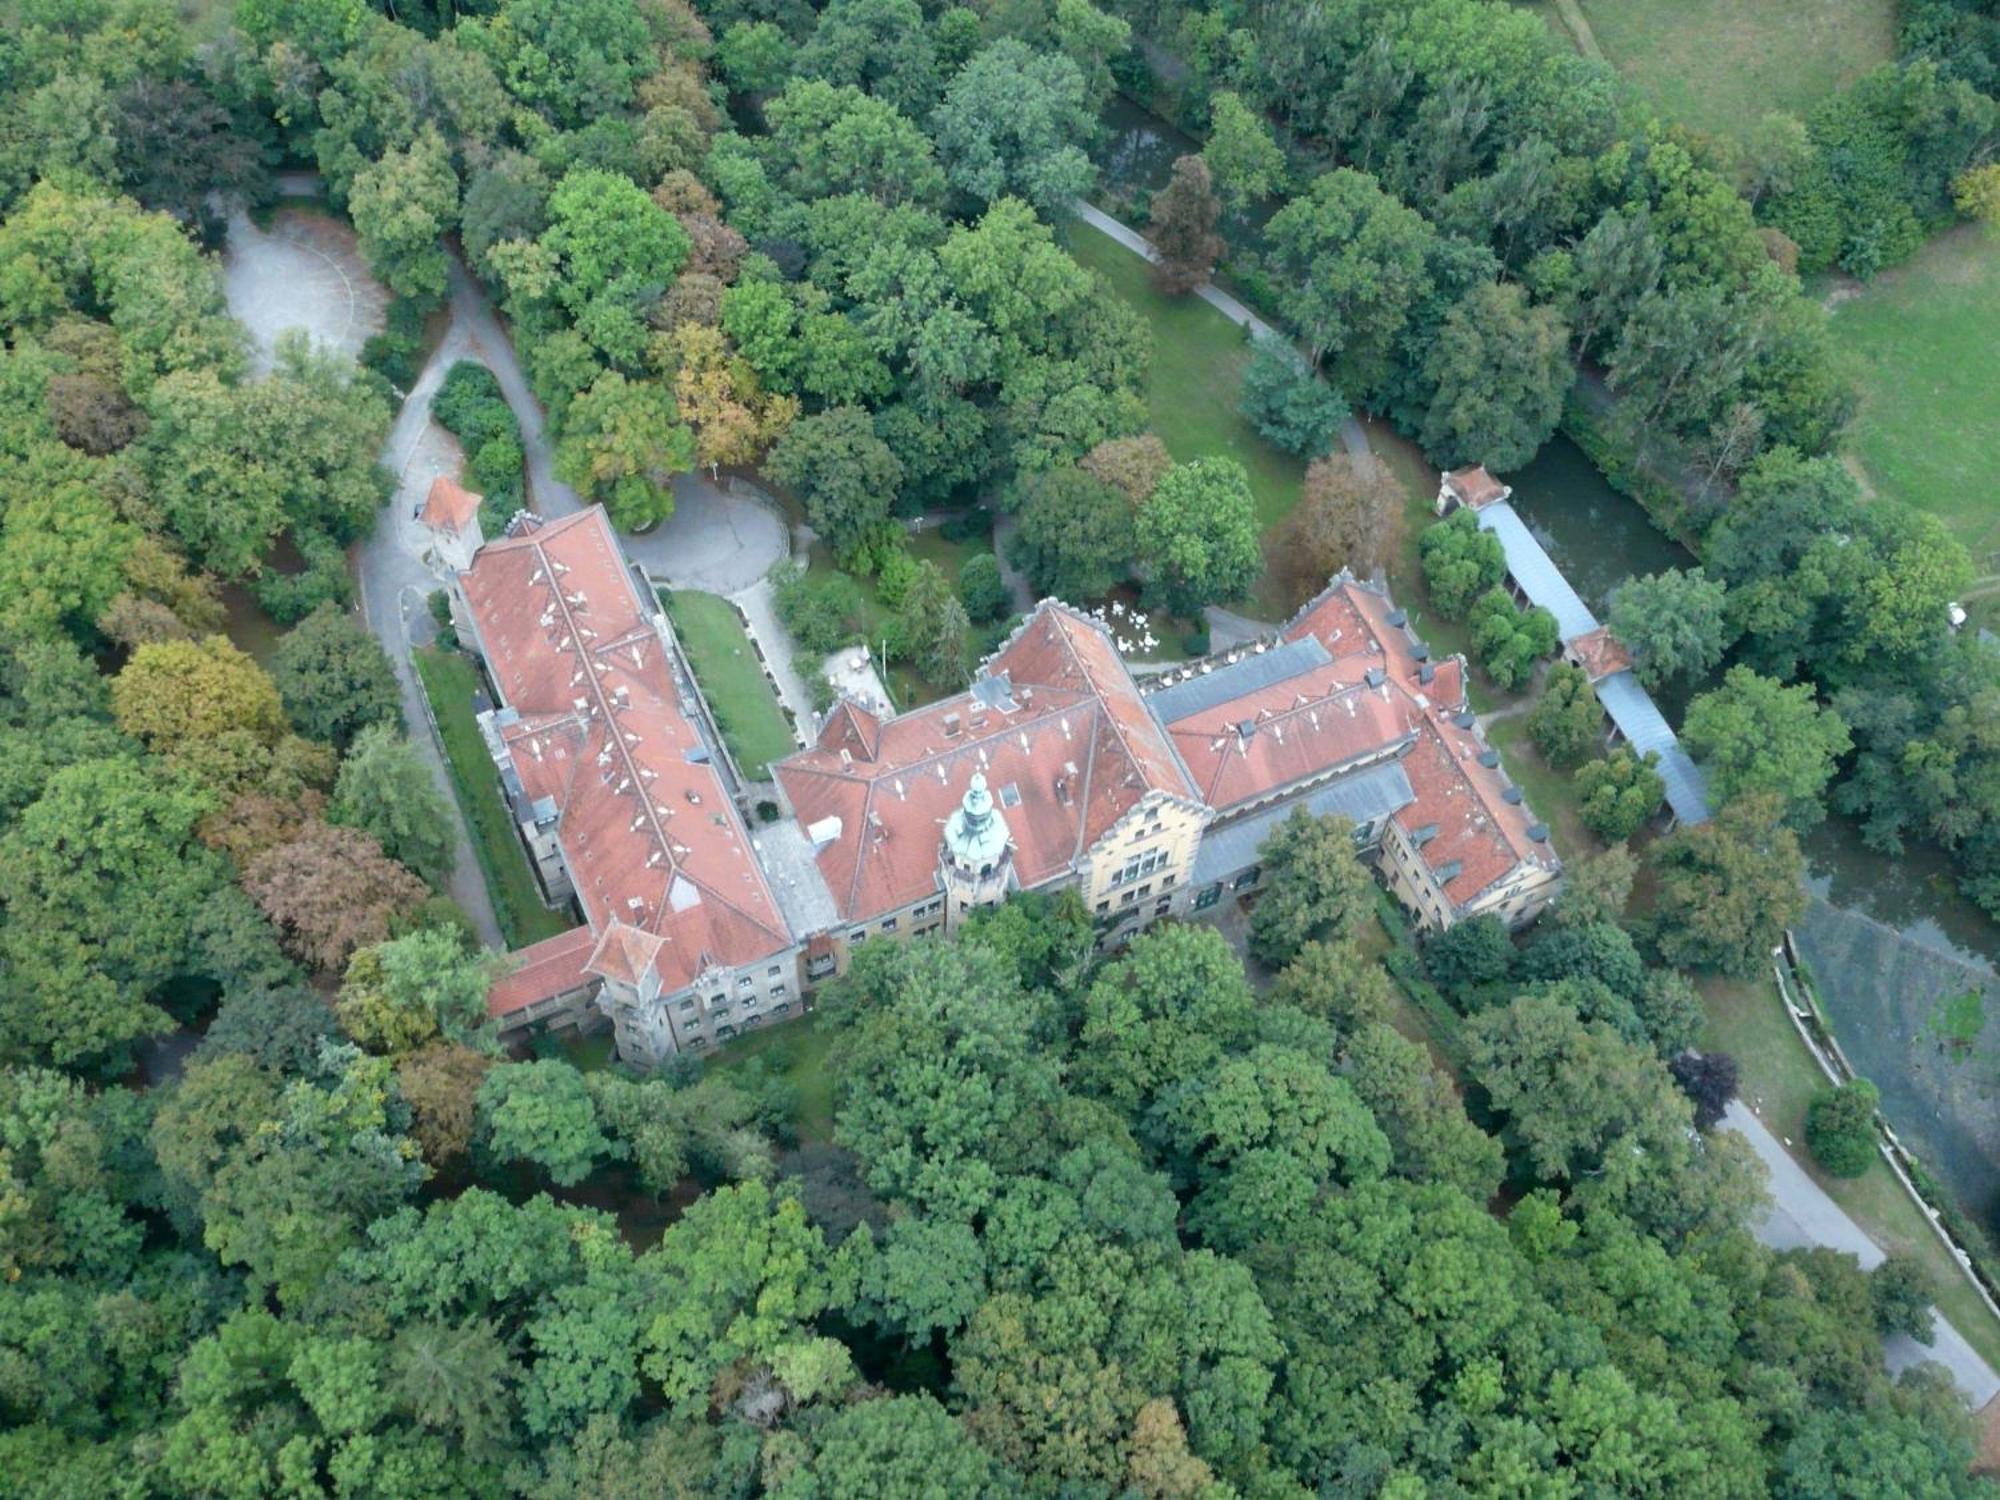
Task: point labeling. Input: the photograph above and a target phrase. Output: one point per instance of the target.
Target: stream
(1904, 966)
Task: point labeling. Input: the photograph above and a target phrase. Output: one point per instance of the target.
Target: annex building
(1055, 769)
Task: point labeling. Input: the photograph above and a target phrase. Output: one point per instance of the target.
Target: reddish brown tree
(1348, 519)
(330, 891)
(1183, 228)
(441, 1084)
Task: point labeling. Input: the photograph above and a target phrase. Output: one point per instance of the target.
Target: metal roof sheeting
(1363, 797)
(1630, 706)
(1256, 669)
(1538, 576)
(1632, 709)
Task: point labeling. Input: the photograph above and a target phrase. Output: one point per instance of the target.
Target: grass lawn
(732, 679)
(450, 681)
(1747, 1020)
(1551, 793)
(1721, 65)
(928, 545)
(1922, 338)
(1192, 382)
(796, 1049)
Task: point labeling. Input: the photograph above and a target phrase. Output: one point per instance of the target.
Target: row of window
(1139, 866)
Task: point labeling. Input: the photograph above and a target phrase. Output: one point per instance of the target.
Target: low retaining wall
(1802, 1007)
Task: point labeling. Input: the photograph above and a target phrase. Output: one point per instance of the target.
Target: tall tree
(1754, 734)
(1197, 532)
(331, 890)
(540, 1112)
(387, 789)
(1348, 518)
(623, 442)
(933, 626)
(334, 679)
(1498, 370)
(1075, 536)
(1315, 888)
(1619, 792)
(401, 994)
(1675, 624)
(1728, 887)
(1352, 262)
(1460, 562)
(403, 206)
(1013, 122)
(1182, 228)
(843, 474)
(1246, 162)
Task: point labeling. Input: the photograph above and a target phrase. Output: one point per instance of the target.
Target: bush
(1468, 956)
(895, 571)
(967, 525)
(1840, 1127)
(1195, 642)
(1567, 721)
(981, 589)
(472, 408)
(396, 352)
(823, 611)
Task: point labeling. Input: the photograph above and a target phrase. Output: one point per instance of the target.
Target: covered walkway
(1630, 707)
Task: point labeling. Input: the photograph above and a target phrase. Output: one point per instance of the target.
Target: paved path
(1801, 1213)
(394, 582)
(760, 609)
(1353, 437)
(720, 539)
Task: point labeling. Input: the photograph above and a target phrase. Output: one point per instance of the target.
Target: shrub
(1840, 1127)
(823, 611)
(1195, 642)
(896, 570)
(971, 525)
(1566, 721)
(981, 589)
(1617, 794)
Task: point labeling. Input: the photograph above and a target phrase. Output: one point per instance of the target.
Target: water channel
(1905, 966)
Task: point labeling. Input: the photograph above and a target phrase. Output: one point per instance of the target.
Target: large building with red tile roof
(603, 749)
(1052, 770)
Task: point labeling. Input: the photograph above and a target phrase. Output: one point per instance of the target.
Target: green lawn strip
(732, 679)
(797, 1050)
(1922, 338)
(1747, 1020)
(1721, 65)
(450, 681)
(1551, 793)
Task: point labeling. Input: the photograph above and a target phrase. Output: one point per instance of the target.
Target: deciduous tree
(1567, 721)
(334, 680)
(1754, 734)
(1840, 1127)
(1498, 369)
(1013, 121)
(332, 890)
(1075, 538)
(1675, 624)
(403, 205)
(387, 789)
(1460, 561)
(1315, 888)
(623, 442)
(1182, 229)
(540, 1112)
(1617, 793)
(1246, 161)
(1728, 887)
(843, 474)
(1197, 532)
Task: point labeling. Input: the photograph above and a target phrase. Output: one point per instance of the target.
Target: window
(1248, 878)
(858, 935)
(782, 1010)
(888, 924)
(1128, 898)
(718, 1000)
(772, 972)
(1161, 909)
(1146, 889)
(1139, 866)
(688, 1003)
(1104, 906)
(1167, 881)
(698, 1041)
(779, 988)
(746, 981)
